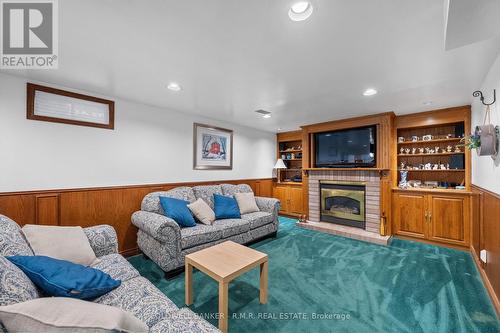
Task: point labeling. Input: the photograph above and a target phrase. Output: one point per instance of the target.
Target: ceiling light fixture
(266, 116)
(174, 86)
(427, 103)
(300, 11)
(370, 92)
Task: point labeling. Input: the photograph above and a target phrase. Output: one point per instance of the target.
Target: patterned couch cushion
(230, 189)
(117, 267)
(258, 219)
(151, 202)
(200, 234)
(206, 192)
(183, 321)
(12, 241)
(139, 297)
(231, 227)
(15, 286)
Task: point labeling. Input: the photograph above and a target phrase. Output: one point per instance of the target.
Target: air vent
(263, 112)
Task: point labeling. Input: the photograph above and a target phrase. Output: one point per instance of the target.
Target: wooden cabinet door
(409, 215)
(296, 202)
(449, 219)
(281, 193)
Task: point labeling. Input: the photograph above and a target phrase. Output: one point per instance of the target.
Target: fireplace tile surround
(371, 180)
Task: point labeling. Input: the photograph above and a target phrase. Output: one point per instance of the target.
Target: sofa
(163, 241)
(135, 294)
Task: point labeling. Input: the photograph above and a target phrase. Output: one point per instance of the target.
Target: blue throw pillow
(62, 278)
(178, 211)
(226, 207)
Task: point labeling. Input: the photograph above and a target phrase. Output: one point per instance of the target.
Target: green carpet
(355, 286)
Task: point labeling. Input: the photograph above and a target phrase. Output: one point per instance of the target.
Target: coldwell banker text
(29, 34)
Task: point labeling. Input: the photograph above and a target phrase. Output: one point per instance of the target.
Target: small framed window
(60, 106)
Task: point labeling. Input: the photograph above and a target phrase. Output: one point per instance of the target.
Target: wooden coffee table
(224, 262)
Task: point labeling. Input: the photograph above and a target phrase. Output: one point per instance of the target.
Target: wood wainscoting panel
(93, 206)
(113, 207)
(20, 208)
(47, 209)
(487, 224)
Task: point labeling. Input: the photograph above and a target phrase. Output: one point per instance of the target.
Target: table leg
(223, 306)
(189, 284)
(263, 282)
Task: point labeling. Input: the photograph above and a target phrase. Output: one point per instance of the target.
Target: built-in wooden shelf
(291, 169)
(433, 190)
(291, 151)
(435, 154)
(423, 170)
(289, 183)
(429, 141)
(292, 159)
(345, 169)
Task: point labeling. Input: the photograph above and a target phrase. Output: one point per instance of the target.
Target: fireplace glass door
(343, 204)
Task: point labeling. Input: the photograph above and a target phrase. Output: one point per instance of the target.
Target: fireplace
(343, 203)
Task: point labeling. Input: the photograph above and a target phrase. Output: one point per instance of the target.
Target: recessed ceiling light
(174, 86)
(300, 11)
(266, 116)
(370, 92)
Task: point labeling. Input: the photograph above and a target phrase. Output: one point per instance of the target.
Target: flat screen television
(351, 148)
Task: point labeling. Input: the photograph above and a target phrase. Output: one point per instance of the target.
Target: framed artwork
(213, 147)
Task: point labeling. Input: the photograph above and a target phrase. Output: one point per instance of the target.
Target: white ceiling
(469, 21)
(234, 57)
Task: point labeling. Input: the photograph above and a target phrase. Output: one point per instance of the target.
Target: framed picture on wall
(213, 147)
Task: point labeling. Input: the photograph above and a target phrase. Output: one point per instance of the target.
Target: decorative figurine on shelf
(407, 150)
(402, 150)
(457, 149)
(401, 139)
(428, 166)
(448, 166)
(420, 150)
(403, 183)
(427, 137)
(421, 167)
(436, 149)
(449, 149)
(414, 138)
(442, 167)
(435, 167)
(427, 150)
(443, 150)
(450, 136)
(413, 150)
(402, 165)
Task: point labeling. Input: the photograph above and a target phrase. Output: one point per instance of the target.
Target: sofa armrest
(102, 239)
(269, 205)
(158, 226)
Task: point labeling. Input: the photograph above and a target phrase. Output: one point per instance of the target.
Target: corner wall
(149, 145)
(486, 184)
(485, 171)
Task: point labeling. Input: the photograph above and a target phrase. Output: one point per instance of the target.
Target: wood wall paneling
(486, 236)
(93, 206)
(47, 209)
